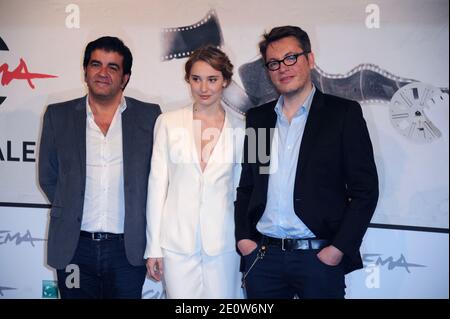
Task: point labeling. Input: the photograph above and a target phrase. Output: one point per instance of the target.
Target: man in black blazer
(301, 216)
(94, 162)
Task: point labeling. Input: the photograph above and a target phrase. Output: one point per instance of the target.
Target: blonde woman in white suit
(195, 171)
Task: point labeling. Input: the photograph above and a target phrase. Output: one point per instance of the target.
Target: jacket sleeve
(48, 159)
(158, 183)
(238, 144)
(361, 180)
(244, 192)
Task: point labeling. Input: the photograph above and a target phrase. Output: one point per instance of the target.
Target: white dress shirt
(279, 218)
(104, 199)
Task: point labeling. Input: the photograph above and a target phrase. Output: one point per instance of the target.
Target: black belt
(100, 236)
(295, 244)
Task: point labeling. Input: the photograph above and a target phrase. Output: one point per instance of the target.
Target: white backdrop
(408, 39)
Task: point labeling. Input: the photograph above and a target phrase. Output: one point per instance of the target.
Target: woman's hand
(155, 268)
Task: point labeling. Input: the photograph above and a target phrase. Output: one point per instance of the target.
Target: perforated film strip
(366, 83)
(180, 42)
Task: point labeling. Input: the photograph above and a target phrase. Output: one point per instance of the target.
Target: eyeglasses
(288, 61)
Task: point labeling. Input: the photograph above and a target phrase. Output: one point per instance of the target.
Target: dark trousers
(104, 272)
(288, 274)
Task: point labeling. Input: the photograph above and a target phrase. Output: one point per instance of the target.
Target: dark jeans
(286, 274)
(104, 272)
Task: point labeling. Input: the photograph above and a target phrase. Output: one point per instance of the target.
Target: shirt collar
(304, 109)
(122, 106)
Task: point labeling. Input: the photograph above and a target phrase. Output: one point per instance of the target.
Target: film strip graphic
(180, 42)
(366, 83)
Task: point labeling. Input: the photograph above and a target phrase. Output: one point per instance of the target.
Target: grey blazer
(62, 175)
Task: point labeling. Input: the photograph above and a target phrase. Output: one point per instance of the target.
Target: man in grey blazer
(94, 162)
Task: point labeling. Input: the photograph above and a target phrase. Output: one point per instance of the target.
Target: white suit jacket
(181, 199)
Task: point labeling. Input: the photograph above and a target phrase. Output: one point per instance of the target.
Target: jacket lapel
(128, 132)
(268, 124)
(80, 134)
(309, 135)
(192, 128)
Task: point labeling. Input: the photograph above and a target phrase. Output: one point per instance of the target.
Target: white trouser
(200, 276)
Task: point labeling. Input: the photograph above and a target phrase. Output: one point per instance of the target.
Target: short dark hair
(215, 57)
(110, 44)
(278, 33)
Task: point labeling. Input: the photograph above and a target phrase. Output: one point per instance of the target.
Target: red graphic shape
(21, 73)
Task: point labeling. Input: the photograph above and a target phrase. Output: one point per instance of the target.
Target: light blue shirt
(279, 219)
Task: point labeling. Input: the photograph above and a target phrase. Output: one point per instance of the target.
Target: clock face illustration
(408, 112)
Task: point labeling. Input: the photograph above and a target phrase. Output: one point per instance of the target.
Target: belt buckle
(98, 238)
(283, 245)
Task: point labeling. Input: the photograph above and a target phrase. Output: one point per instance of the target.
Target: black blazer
(62, 175)
(336, 186)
